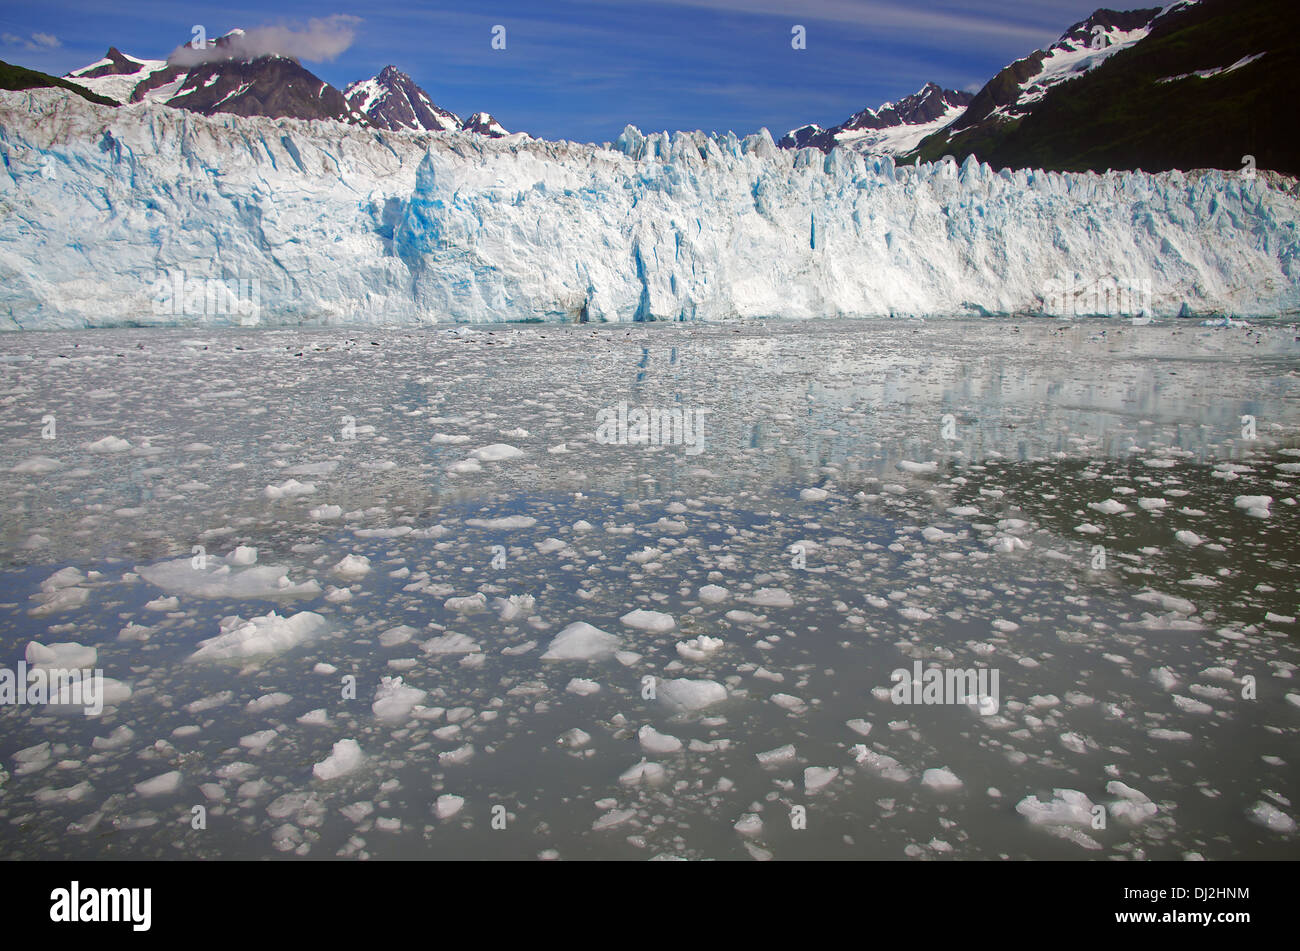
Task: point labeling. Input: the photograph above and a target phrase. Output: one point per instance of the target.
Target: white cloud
(321, 40)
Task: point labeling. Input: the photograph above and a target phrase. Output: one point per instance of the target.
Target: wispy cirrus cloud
(1032, 22)
(35, 42)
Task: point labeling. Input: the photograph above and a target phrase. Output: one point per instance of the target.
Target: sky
(583, 69)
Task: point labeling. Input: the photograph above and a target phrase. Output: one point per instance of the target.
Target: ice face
(467, 228)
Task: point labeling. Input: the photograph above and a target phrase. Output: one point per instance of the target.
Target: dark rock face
(392, 100)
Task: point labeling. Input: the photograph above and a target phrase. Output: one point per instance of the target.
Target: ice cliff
(334, 225)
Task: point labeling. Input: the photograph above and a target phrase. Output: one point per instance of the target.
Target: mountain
(127, 79)
(484, 124)
(1199, 85)
(337, 227)
(218, 79)
(892, 129)
(393, 101)
(277, 87)
(1016, 90)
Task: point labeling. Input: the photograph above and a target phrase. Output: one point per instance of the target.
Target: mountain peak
(392, 100)
(889, 126)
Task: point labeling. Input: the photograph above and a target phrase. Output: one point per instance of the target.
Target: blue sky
(582, 69)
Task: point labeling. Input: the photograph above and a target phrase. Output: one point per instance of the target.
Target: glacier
(333, 225)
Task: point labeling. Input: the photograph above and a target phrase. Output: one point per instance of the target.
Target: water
(1125, 654)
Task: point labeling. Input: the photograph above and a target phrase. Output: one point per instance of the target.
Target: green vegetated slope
(20, 77)
(1121, 116)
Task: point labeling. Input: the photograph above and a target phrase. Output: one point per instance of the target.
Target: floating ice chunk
(269, 634)
(71, 697)
(814, 495)
(1168, 602)
(396, 636)
(68, 655)
(108, 444)
(652, 741)
(612, 819)
(816, 778)
(256, 742)
(789, 702)
(1271, 817)
(906, 465)
(1108, 507)
(317, 717)
(772, 597)
(352, 567)
(859, 726)
(51, 796)
(575, 738)
(884, 765)
(496, 453)
(450, 643)
(713, 594)
(777, 757)
(162, 785)
(460, 754)
(267, 702)
(652, 774)
(515, 606)
(394, 700)
(1067, 807)
(345, 757)
(1164, 677)
(289, 490)
(942, 779)
(473, 604)
(1256, 505)
(655, 622)
(219, 578)
(120, 737)
(448, 805)
(1133, 806)
(699, 648)
(582, 641)
(503, 524)
(582, 687)
(749, 825)
(325, 513)
(1190, 539)
(689, 695)
(36, 465)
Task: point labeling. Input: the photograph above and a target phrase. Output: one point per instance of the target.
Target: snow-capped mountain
(484, 124)
(1193, 85)
(1015, 90)
(892, 129)
(219, 79)
(392, 100)
(338, 227)
(272, 86)
(124, 78)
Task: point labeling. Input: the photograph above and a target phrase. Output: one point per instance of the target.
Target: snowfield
(330, 225)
